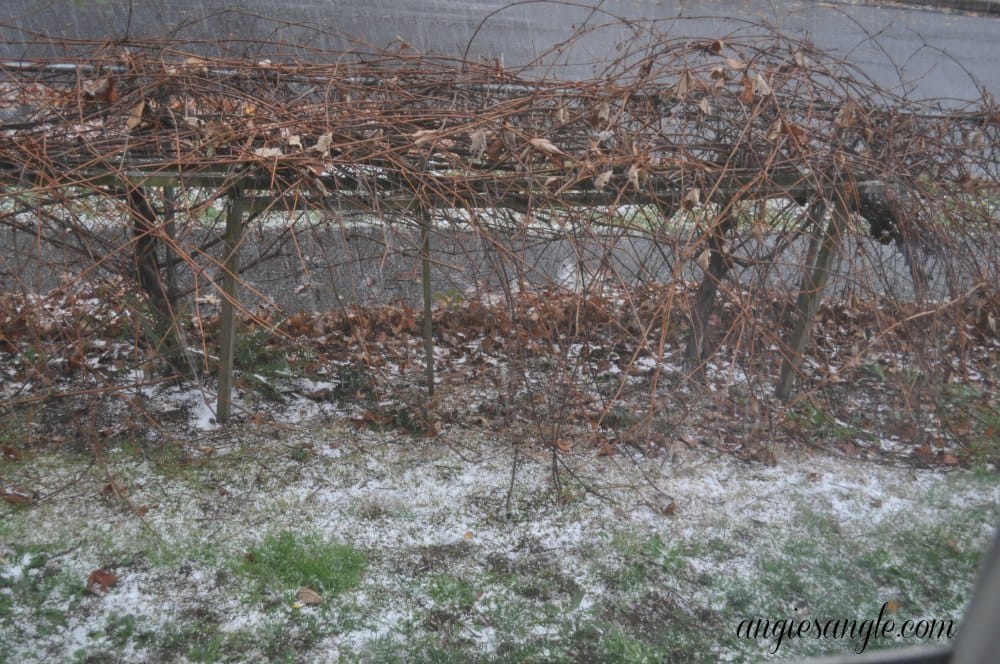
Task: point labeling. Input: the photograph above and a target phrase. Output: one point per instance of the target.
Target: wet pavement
(919, 52)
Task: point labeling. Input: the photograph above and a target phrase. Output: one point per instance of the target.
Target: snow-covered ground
(471, 548)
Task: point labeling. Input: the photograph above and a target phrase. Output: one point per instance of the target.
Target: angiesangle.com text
(861, 632)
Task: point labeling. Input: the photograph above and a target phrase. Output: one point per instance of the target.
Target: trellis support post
(230, 301)
(425, 257)
(812, 289)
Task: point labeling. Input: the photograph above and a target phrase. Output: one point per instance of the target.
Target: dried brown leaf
(601, 115)
(103, 89)
(704, 260)
(602, 179)
(691, 199)
(308, 596)
(478, 142)
(16, 496)
(760, 85)
(797, 133)
(268, 153)
(114, 488)
(684, 84)
(323, 143)
(197, 64)
(561, 114)
(774, 132)
(607, 449)
(746, 93)
(424, 136)
(847, 115)
(101, 581)
(545, 145)
(135, 116)
(634, 175)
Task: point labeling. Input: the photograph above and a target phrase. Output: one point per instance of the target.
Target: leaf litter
(463, 488)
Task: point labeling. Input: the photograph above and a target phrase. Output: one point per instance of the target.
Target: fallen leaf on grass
(765, 455)
(949, 459)
(16, 496)
(849, 449)
(606, 449)
(690, 441)
(12, 453)
(101, 581)
(114, 488)
(308, 596)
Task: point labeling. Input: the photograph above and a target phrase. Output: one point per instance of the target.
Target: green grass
(972, 415)
(814, 572)
(39, 602)
(285, 561)
(452, 592)
(824, 427)
(630, 591)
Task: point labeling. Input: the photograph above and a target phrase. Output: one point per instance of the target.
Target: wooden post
(809, 296)
(230, 297)
(425, 256)
(718, 265)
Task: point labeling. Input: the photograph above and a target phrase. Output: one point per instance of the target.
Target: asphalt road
(925, 53)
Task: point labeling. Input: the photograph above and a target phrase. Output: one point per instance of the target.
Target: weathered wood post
(812, 289)
(719, 264)
(230, 299)
(425, 257)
